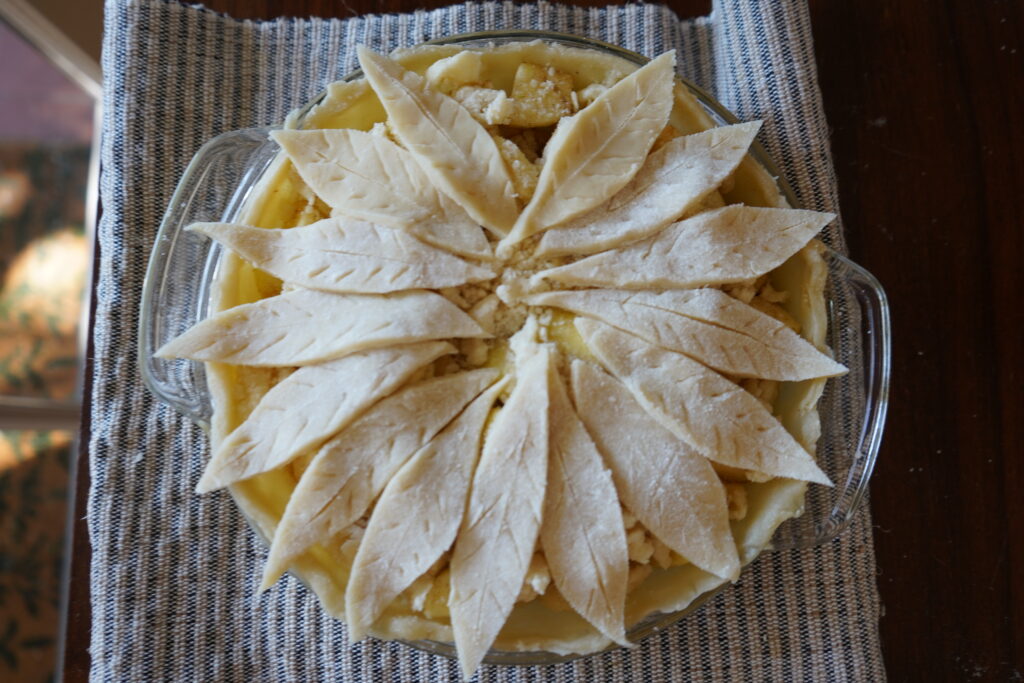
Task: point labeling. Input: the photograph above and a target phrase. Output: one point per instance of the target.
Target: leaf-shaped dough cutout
(730, 244)
(672, 182)
(417, 516)
(351, 469)
(594, 153)
(458, 154)
(310, 405)
(582, 533)
(705, 324)
(670, 487)
(306, 326)
(370, 178)
(719, 419)
(345, 255)
(499, 532)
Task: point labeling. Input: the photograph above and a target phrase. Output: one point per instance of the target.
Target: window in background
(46, 135)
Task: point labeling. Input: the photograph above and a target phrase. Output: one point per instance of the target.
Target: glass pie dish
(224, 179)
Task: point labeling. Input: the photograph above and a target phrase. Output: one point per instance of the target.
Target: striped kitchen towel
(174, 574)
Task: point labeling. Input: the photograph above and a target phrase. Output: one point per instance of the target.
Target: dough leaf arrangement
(418, 515)
(456, 151)
(499, 532)
(370, 178)
(672, 181)
(351, 469)
(487, 402)
(593, 154)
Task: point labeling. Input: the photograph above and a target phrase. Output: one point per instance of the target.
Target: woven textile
(174, 574)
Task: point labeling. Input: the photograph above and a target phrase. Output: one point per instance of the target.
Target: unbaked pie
(513, 349)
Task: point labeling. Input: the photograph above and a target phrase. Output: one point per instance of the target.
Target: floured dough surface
(668, 486)
(306, 326)
(593, 154)
(712, 415)
(369, 177)
(418, 515)
(582, 533)
(671, 182)
(344, 255)
(493, 549)
(723, 246)
(351, 469)
(447, 142)
(495, 362)
(706, 324)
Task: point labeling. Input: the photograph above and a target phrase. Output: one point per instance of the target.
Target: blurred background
(49, 109)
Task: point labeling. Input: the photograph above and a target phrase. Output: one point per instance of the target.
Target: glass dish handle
(176, 292)
(860, 337)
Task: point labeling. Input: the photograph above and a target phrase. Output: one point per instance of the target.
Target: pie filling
(536, 357)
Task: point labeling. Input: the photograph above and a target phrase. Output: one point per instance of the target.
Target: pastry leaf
(716, 417)
(305, 326)
(457, 152)
(594, 153)
(417, 516)
(582, 533)
(310, 405)
(350, 470)
(370, 178)
(499, 532)
(705, 324)
(731, 244)
(670, 487)
(672, 182)
(346, 256)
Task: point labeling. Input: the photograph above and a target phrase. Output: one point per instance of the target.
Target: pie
(513, 348)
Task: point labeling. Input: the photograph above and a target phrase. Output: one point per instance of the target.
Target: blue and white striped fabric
(174, 574)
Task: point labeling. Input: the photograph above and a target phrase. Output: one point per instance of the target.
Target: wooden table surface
(926, 106)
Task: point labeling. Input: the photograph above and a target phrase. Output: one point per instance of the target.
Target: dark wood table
(925, 100)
